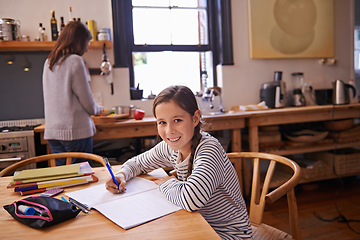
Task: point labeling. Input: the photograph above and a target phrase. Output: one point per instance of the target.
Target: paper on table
(137, 209)
(142, 202)
(98, 194)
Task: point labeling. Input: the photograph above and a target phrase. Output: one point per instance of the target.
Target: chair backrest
(260, 186)
(50, 158)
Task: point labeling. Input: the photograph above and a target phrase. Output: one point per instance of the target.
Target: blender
(298, 82)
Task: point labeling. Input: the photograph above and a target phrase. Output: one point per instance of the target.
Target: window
(166, 42)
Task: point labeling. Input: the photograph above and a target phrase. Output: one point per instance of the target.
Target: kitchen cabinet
(37, 46)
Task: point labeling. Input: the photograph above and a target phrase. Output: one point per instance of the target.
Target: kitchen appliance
(211, 101)
(298, 98)
(9, 29)
(323, 96)
(298, 83)
(17, 141)
(341, 92)
(273, 93)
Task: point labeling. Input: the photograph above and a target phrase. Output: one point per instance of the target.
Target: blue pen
(111, 172)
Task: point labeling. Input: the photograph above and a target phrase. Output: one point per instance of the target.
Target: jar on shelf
(103, 35)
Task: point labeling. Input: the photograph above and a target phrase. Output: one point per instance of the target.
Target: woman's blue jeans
(80, 145)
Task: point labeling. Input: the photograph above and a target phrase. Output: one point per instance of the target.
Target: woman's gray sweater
(68, 101)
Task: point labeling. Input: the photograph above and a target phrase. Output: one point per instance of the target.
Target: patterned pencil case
(40, 212)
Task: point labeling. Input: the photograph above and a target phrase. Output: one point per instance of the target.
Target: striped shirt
(212, 188)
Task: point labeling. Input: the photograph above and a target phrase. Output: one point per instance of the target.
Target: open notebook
(142, 202)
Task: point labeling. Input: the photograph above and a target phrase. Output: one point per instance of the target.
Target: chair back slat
(68, 160)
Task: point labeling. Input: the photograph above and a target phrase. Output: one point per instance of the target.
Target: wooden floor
(319, 198)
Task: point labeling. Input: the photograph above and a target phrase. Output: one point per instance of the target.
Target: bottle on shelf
(70, 14)
(39, 31)
(53, 24)
(62, 24)
(43, 35)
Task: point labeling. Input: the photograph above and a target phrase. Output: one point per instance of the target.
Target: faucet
(209, 96)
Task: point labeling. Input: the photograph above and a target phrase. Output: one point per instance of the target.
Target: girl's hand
(164, 179)
(111, 186)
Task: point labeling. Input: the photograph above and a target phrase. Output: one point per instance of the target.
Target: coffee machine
(273, 93)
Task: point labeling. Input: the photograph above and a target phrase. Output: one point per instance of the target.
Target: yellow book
(47, 172)
(65, 182)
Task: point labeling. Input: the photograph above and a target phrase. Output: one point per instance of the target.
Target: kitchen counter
(129, 128)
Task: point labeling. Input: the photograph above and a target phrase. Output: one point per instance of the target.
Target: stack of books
(31, 181)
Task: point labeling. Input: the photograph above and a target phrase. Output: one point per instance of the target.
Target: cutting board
(109, 119)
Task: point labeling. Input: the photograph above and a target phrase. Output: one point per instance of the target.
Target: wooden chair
(50, 158)
(260, 193)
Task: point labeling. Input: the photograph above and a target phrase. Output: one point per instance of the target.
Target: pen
(78, 205)
(111, 172)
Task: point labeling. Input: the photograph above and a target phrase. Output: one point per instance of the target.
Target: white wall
(241, 82)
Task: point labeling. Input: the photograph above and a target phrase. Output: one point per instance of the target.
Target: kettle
(341, 92)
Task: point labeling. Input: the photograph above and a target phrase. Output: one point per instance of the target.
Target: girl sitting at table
(206, 180)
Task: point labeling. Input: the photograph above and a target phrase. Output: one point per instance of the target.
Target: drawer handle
(10, 159)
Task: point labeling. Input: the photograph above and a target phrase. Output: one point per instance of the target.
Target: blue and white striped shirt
(212, 188)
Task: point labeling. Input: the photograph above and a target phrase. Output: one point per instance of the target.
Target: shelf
(36, 46)
(280, 177)
(315, 147)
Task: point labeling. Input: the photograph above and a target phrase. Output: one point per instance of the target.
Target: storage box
(345, 161)
(312, 167)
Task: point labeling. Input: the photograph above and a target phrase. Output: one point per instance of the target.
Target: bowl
(339, 125)
(306, 136)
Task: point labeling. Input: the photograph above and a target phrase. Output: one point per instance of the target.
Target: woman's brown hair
(74, 39)
(186, 100)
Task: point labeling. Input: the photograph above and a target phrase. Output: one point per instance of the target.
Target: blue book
(22, 189)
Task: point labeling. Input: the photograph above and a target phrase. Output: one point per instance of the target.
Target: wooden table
(178, 225)
(129, 128)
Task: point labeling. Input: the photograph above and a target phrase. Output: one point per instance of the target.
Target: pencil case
(48, 211)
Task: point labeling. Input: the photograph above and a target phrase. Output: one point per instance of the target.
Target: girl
(206, 180)
(67, 97)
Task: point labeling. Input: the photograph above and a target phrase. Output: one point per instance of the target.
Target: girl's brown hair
(74, 39)
(186, 100)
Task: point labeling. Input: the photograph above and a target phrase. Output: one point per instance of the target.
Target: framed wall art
(291, 28)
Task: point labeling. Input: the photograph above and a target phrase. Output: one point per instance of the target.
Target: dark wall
(357, 12)
(21, 94)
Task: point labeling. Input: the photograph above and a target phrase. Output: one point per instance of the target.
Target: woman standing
(67, 96)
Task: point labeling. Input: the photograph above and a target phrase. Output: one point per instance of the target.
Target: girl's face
(176, 126)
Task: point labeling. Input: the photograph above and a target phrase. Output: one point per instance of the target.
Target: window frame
(219, 32)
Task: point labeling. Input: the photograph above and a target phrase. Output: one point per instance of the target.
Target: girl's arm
(206, 177)
(156, 157)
